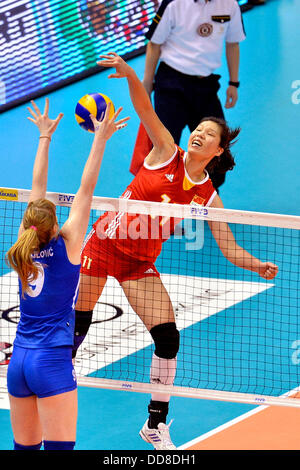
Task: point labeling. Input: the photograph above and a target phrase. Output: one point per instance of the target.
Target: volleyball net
(239, 333)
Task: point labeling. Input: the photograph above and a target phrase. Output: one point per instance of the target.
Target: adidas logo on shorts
(149, 271)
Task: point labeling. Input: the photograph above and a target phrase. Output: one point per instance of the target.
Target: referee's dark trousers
(183, 100)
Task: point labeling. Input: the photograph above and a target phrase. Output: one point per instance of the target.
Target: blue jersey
(47, 309)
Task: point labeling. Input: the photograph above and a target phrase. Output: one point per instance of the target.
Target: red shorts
(100, 258)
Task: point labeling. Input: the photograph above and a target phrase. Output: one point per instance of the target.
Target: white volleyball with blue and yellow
(95, 104)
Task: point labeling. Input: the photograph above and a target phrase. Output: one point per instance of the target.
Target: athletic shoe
(159, 438)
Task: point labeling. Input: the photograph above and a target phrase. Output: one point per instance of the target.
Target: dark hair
(225, 162)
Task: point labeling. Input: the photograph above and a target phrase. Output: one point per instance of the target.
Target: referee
(187, 38)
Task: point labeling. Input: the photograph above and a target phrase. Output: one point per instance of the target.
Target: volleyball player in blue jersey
(41, 380)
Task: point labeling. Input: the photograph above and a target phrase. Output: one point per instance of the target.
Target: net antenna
(240, 334)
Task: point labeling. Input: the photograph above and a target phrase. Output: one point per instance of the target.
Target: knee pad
(83, 321)
(166, 340)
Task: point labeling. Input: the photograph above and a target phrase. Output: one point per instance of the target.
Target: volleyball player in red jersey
(168, 175)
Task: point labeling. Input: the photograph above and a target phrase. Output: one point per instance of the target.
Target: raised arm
(235, 253)
(163, 142)
(46, 127)
(151, 61)
(75, 227)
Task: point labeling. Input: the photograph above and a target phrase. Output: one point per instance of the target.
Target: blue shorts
(42, 372)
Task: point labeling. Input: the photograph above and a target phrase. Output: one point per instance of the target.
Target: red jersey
(139, 235)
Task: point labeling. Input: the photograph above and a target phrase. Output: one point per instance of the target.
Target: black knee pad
(83, 321)
(166, 340)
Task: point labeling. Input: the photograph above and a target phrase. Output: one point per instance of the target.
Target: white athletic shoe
(159, 438)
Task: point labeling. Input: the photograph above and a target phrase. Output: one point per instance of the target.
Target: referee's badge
(205, 30)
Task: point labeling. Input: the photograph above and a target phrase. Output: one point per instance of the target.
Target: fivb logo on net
(145, 226)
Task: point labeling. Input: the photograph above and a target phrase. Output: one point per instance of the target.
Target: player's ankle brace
(83, 320)
(158, 411)
(22, 447)
(59, 445)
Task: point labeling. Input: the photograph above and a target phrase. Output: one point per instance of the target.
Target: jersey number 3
(36, 286)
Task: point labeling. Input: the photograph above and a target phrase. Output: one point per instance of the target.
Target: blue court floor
(265, 179)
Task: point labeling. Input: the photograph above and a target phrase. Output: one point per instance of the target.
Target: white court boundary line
(222, 427)
(230, 423)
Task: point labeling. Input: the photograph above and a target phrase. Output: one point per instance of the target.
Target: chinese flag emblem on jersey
(198, 200)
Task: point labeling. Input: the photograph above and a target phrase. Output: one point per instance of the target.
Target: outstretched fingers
(36, 108)
(46, 108)
(120, 124)
(112, 59)
(107, 112)
(36, 114)
(56, 122)
(117, 112)
(109, 59)
(30, 119)
(95, 122)
(42, 120)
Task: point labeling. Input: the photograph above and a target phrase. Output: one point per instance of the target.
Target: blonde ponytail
(19, 257)
(38, 222)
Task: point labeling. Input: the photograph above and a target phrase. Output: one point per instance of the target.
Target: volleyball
(95, 104)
